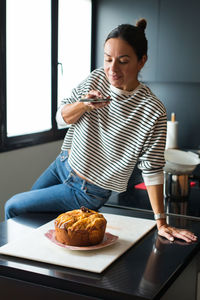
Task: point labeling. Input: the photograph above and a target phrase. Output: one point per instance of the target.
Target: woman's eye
(123, 62)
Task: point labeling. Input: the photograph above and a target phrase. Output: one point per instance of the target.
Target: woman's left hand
(170, 233)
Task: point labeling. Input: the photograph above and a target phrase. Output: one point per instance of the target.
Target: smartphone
(95, 100)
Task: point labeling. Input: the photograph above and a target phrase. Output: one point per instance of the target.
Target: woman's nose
(114, 66)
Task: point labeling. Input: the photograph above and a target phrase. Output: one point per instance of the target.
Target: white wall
(20, 168)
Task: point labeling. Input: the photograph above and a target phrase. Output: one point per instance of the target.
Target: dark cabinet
(178, 41)
(12, 289)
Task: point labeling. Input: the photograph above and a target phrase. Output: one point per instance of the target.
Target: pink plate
(108, 240)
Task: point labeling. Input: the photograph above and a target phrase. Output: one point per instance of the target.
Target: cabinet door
(115, 12)
(179, 41)
(18, 289)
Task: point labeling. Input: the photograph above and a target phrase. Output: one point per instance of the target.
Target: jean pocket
(96, 201)
(63, 155)
(97, 192)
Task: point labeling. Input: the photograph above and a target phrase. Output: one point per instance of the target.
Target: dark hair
(133, 35)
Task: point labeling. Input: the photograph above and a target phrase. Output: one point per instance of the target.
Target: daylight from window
(28, 59)
(74, 45)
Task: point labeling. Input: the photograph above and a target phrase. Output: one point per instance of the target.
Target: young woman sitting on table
(105, 140)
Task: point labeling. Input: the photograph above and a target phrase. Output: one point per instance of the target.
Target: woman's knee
(12, 207)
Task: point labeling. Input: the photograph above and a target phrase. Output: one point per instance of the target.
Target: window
(45, 52)
(74, 44)
(28, 66)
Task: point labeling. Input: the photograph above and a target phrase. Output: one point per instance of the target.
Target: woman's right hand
(93, 105)
(72, 112)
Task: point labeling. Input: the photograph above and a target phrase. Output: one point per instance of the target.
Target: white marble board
(35, 246)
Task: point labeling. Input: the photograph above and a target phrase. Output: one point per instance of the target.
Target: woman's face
(121, 64)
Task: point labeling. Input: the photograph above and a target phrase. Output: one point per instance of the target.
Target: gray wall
(180, 89)
(184, 99)
(20, 168)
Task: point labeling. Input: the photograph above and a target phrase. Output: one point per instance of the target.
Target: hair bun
(142, 24)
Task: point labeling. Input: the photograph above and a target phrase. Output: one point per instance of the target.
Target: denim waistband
(85, 184)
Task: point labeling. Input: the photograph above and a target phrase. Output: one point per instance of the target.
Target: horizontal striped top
(107, 143)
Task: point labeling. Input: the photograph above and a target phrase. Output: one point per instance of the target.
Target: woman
(106, 140)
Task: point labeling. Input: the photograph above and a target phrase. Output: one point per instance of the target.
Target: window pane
(28, 66)
(74, 44)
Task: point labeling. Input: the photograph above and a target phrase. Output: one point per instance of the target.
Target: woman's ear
(142, 62)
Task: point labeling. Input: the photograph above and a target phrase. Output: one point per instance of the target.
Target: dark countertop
(145, 271)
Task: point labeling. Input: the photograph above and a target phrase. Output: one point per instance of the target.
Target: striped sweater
(107, 143)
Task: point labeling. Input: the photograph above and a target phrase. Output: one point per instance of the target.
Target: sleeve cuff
(153, 179)
(59, 119)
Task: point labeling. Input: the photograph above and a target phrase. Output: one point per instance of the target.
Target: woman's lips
(115, 77)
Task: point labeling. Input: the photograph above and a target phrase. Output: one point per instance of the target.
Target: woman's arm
(72, 112)
(155, 193)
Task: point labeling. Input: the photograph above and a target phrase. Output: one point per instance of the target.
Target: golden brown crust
(80, 227)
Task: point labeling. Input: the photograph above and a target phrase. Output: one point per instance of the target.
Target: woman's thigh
(57, 198)
(47, 178)
(55, 174)
(58, 189)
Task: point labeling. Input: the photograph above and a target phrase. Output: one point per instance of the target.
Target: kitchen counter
(153, 268)
(137, 199)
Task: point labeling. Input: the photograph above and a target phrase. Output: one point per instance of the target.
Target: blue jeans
(58, 189)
